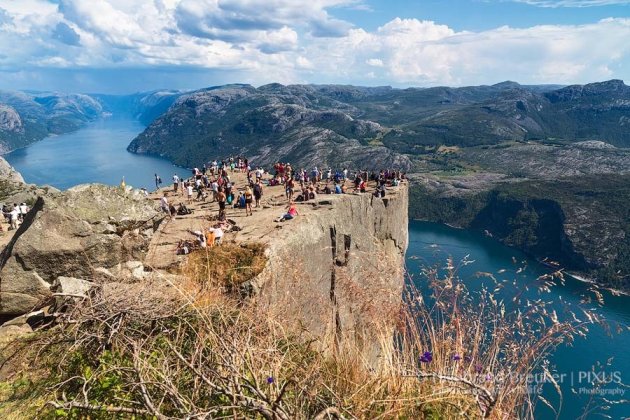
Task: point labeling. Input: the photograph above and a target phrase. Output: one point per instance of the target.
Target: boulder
(72, 286)
(133, 270)
(9, 332)
(71, 234)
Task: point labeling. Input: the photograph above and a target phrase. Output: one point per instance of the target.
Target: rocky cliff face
(85, 232)
(582, 222)
(377, 127)
(8, 173)
(338, 273)
(9, 119)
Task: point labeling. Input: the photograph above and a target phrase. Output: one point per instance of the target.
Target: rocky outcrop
(337, 272)
(9, 119)
(73, 234)
(8, 173)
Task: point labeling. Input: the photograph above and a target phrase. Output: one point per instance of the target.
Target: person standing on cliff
(289, 188)
(175, 182)
(221, 197)
(189, 192)
(158, 181)
(258, 191)
(14, 216)
(248, 201)
(164, 204)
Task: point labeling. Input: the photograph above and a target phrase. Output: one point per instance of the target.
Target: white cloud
(374, 62)
(424, 53)
(262, 41)
(574, 3)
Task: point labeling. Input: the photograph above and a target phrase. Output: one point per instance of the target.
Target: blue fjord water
(431, 244)
(98, 153)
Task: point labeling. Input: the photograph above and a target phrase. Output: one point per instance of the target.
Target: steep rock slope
(582, 222)
(144, 106)
(339, 271)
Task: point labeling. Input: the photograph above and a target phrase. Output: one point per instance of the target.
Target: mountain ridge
(380, 121)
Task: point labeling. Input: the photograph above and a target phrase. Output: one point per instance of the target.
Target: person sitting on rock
(380, 191)
(201, 239)
(290, 214)
(363, 186)
(215, 235)
(182, 210)
(183, 247)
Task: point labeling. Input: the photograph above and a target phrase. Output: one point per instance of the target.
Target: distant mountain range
(29, 117)
(379, 126)
(26, 117)
(330, 124)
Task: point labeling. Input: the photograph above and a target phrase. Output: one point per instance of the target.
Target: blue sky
(478, 15)
(119, 46)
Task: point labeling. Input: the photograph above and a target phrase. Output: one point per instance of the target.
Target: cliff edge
(338, 271)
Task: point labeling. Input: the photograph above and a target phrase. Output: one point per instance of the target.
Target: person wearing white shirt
(164, 205)
(14, 217)
(189, 192)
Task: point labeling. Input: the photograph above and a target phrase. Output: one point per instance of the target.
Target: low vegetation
(455, 353)
(225, 266)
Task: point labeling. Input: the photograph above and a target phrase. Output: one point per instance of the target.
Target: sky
(123, 46)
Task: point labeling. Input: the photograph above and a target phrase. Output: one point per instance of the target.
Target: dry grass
(450, 357)
(225, 266)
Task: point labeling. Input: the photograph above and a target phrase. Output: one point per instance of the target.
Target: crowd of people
(212, 182)
(14, 215)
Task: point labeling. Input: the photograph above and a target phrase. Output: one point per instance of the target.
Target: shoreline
(573, 275)
(591, 281)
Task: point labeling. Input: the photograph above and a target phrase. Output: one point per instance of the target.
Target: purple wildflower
(427, 357)
(488, 377)
(270, 380)
(456, 357)
(478, 368)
